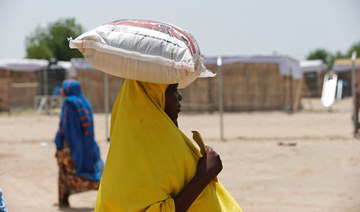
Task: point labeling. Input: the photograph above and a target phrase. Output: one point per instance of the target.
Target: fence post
(353, 88)
(46, 87)
(221, 99)
(106, 105)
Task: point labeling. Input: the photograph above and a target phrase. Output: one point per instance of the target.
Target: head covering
(77, 129)
(150, 160)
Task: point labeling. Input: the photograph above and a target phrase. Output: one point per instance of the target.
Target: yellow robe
(150, 160)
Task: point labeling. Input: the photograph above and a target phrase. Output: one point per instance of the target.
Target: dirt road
(273, 161)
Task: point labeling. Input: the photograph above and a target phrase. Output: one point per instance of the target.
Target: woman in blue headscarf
(78, 155)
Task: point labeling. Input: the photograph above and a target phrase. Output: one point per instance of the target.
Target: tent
(21, 80)
(313, 71)
(249, 83)
(343, 67)
(92, 83)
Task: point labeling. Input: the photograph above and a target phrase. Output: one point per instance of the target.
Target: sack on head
(144, 50)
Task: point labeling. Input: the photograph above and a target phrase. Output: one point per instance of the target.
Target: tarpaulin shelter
(343, 67)
(92, 83)
(313, 71)
(21, 81)
(249, 83)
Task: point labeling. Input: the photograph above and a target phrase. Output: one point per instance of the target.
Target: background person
(78, 155)
(2, 202)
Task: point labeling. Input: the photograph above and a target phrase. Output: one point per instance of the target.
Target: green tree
(322, 54)
(356, 48)
(332, 59)
(52, 41)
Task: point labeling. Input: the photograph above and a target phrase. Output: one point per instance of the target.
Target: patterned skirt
(69, 183)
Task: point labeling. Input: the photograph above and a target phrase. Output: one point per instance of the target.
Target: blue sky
(238, 27)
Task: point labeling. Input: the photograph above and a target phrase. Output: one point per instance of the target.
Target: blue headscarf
(77, 128)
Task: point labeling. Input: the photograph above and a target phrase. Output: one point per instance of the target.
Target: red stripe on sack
(86, 133)
(143, 24)
(150, 25)
(192, 49)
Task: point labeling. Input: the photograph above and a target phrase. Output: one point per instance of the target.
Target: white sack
(144, 50)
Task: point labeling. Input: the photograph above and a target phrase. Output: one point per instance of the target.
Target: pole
(46, 88)
(106, 105)
(221, 99)
(353, 88)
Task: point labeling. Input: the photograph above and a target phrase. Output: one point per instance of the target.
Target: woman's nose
(179, 97)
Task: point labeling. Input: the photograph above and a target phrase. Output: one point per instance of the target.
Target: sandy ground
(273, 161)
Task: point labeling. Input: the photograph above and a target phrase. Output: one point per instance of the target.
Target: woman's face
(172, 102)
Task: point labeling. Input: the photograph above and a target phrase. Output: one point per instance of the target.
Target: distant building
(249, 83)
(343, 67)
(21, 80)
(313, 71)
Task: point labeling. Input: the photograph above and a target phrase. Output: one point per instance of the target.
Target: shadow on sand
(76, 209)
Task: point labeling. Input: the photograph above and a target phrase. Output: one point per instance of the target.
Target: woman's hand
(209, 166)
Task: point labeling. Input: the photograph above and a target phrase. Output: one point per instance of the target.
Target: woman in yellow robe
(151, 165)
